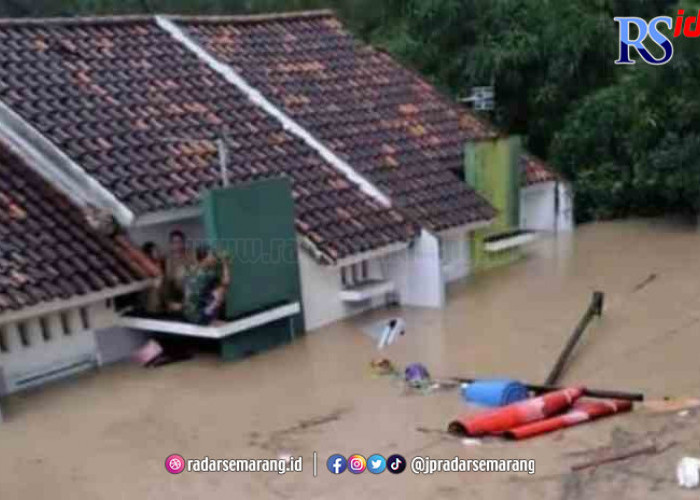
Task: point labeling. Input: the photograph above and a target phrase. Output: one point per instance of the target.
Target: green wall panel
(254, 224)
(257, 340)
(492, 169)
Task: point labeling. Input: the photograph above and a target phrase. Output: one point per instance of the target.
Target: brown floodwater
(106, 435)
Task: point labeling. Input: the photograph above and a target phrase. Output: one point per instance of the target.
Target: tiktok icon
(396, 464)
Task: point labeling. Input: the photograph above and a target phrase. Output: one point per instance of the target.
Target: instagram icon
(357, 464)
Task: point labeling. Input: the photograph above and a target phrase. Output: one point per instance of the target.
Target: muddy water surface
(106, 435)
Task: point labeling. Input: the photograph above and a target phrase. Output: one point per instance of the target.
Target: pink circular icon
(175, 464)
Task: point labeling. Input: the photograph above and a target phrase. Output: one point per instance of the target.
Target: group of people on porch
(194, 281)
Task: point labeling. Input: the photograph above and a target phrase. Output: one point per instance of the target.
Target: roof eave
(372, 254)
(465, 228)
(74, 21)
(44, 308)
(53, 165)
(167, 216)
(254, 18)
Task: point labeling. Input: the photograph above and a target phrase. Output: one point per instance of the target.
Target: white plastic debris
(471, 442)
(688, 472)
(392, 330)
(386, 332)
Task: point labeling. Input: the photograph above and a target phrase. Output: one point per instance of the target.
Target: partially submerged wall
(418, 273)
(46, 347)
(492, 169)
(321, 287)
(547, 207)
(455, 257)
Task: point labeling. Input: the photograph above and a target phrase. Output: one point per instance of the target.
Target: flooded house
(59, 278)
(546, 200)
(141, 117)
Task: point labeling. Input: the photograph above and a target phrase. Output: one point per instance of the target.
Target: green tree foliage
(632, 146)
(541, 55)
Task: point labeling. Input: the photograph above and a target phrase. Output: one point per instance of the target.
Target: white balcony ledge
(211, 332)
(506, 241)
(367, 291)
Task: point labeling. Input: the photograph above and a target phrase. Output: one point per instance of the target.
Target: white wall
(320, 290)
(48, 345)
(565, 222)
(418, 273)
(117, 344)
(538, 207)
(456, 257)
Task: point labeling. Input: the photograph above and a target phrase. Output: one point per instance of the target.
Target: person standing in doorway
(178, 264)
(152, 299)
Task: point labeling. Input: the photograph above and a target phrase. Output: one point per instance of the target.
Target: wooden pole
(222, 145)
(594, 309)
(223, 161)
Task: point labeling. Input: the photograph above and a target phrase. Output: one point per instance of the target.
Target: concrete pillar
(418, 274)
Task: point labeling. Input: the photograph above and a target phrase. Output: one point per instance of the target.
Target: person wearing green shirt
(205, 287)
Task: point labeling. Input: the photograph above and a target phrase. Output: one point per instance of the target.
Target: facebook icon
(337, 464)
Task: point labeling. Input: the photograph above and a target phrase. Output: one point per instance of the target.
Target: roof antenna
(221, 146)
(223, 155)
(481, 98)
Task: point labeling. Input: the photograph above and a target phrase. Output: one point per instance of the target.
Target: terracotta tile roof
(535, 170)
(47, 251)
(387, 122)
(141, 114)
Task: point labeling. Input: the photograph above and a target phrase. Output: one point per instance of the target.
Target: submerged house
(58, 280)
(546, 200)
(389, 125)
(142, 116)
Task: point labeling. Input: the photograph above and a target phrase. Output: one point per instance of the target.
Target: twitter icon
(376, 464)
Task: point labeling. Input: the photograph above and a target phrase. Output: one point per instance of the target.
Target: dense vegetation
(628, 136)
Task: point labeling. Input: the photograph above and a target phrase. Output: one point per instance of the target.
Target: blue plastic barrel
(495, 392)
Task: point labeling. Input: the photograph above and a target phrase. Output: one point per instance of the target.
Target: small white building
(546, 200)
